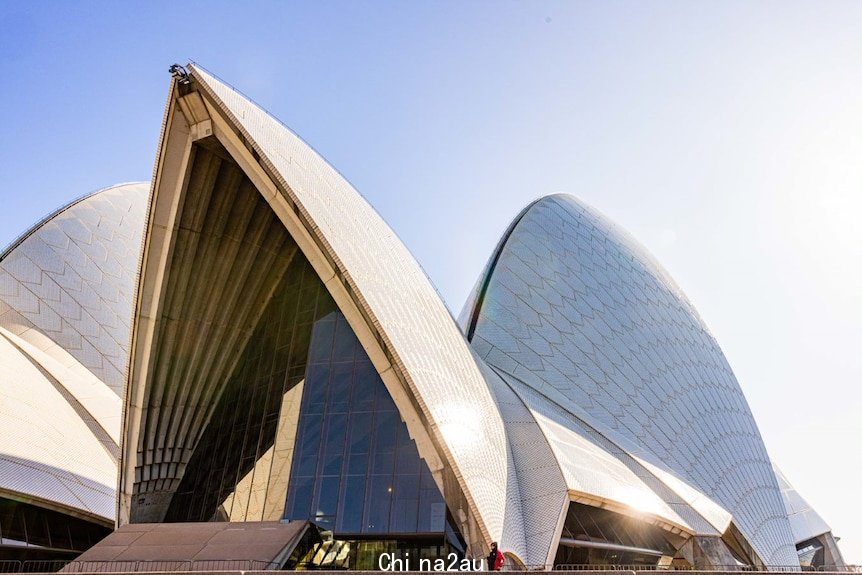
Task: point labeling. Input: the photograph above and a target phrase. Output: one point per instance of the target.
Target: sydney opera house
(245, 342)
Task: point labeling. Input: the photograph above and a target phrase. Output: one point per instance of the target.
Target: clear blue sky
(726, 136)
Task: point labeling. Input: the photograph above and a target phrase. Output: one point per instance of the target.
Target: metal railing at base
(238, 566)
(69, 566)
(197, 565)
(722, 568)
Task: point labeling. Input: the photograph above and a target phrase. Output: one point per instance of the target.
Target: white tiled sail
(417, 328)
(601, 329)
(66, 289)
(47, 452)
(69, 282)
(805, 522)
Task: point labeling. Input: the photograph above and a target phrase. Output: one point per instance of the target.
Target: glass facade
(32, 532)
(240, 468)
(356, 469)
(306, 429)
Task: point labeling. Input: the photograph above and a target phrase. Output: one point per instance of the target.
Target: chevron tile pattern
(70, 281)
(578, 309)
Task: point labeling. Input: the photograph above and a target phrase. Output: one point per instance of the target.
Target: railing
(242, 565)
(33, 566)
(68, 566)
(725, 568)
(171, 566)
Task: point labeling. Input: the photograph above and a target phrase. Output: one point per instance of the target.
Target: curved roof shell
(48, 453)
(70, 280)
(398, 316)
(66, 289)
(585, 322)
(805, 522)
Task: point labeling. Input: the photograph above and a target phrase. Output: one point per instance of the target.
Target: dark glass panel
(601, 525)
(345, 341)
(360, 432)
(385, 486)
(407, 459)
(336, 430)
(364, 376)
(12, 521)
(382, 463)
(383, 401)
(316, 384)
(432, 509)
(60, 535)
(37, 528)
(327, 497)
(302, 489)
(340, 387)
(405, 505)
(386, 428)
(310, 429)
(379, 503)
(321, 342)
(352, 504)
(306, 465)
(357, 463)
(332, 463)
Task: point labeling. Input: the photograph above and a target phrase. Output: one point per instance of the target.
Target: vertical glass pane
(385, 430)
(382, 463)
(327, 499)
(336, 429)
(340, 386)
(352, 504)
(302, 488)
(405, 506)
(316, 383)
(13, 526)
(352, 443)
(345, 341)
(407, 459)
(308, 444)
(358, 464)
(432, 509)
(383, 401)
(22, 523)
(321, 341)
(360, 432)
(59, 533)
(379, 503)
(365, 377)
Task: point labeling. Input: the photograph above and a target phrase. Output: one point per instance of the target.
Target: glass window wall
(306, 429)
(353, 447)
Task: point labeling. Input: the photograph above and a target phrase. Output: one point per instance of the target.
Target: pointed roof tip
(179, 73)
